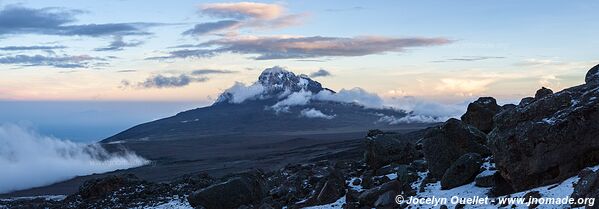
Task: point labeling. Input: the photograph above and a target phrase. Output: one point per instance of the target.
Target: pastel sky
(191, 50)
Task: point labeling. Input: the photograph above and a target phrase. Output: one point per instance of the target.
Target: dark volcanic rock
(543, 92)
(486, 179)
(386, 199)
(549, 139)
(98, 188)
(480, 113)
(592, 76)
(333, 189)
(585, 185)
(525, 101)
(370, 196)
(245, 189)
(462, 171)
(385, 148)
(445, 144)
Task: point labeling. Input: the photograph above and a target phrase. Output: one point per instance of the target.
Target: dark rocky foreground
(510, 149)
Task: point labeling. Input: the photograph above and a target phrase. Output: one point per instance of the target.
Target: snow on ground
(46, 197)
(561, 190)
(175, 203)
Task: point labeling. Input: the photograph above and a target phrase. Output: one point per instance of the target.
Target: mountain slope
(279, 102)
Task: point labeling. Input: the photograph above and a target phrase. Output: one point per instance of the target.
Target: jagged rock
(352, 195)
(248, 188)
(548, 140)
(543, 92)
(385, 170)
(386, 199)
(592, 76)
(486, 178)
(383, 149)
(480, 113)
(98, 188)
(462, 171)
(419, 165)
(525, 101)
(332, 190)
(445, 144)
(370, 196)
(586, 184)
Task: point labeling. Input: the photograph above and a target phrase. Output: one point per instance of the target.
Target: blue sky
(187, 52)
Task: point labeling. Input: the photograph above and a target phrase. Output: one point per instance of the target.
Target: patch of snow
(392, 176)
(550, 121)
(355, 187)
(45, 197)
(175, 203)
(561, 190)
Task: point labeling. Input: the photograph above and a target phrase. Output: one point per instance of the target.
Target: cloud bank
(53, 60)
(418, 110)
(30, 160)
(236, 16)
(163, 81)
(15, 19)
(297, 47)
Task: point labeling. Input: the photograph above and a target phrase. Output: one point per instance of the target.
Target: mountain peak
(274, 82)
(277, 79)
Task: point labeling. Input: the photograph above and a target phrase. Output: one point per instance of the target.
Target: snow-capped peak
(275, 82)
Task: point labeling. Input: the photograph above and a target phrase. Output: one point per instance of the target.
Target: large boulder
(443, 145)
(586, 183)
(462, 171)
(543, 92)
(333, 188)
(592, 76)
(385, 148)
(480, 113)
(246, 189)
(548, 140)
(370, 196)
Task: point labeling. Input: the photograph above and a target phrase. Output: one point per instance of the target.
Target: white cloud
(356, 95)
(295, 99)
(30, 160)
(418, 106)
(314, 113)
(239, 92)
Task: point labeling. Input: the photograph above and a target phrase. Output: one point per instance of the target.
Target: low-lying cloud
(298, 47)
(30, 160)
(314, 113)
